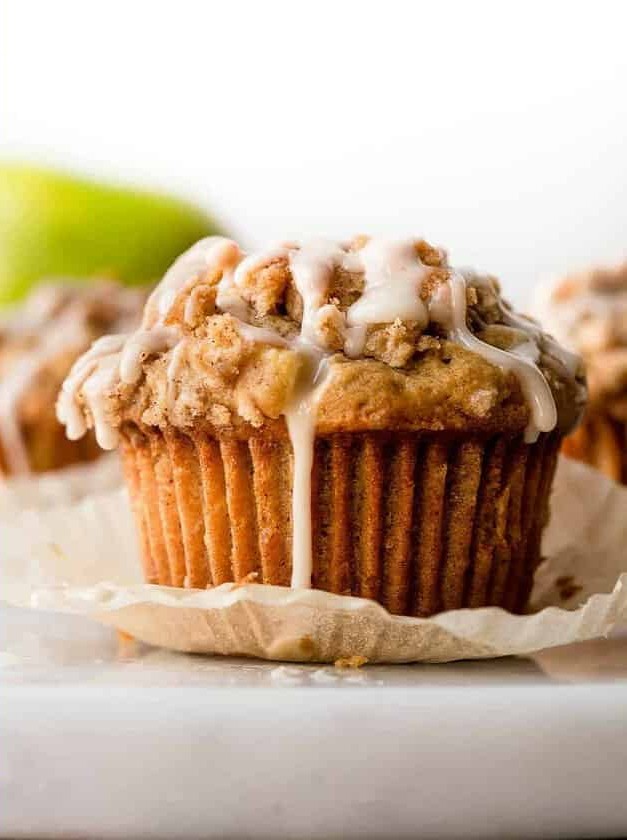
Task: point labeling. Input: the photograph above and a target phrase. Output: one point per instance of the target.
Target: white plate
(102, 738)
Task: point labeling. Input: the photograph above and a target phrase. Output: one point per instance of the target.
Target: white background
(496, 129)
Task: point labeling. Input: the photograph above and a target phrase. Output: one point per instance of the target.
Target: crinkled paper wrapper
(64, 486)
(81, 557)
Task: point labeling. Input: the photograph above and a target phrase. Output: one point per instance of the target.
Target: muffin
(358, 417)
(588, 313)
(39, 342)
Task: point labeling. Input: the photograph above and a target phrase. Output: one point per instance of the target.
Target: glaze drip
(213, 253)
(140, 346)
(312, 266)
(300, 417)
(393, 277)
(94, 372)
(533, 383)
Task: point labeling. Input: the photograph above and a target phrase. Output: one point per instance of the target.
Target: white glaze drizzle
(355, 340)
(300, 417)
(69, 407)
(229, 298)
(142, 344)
(260, 335)
(253, 262)
(393, 276)
(209, 254)
(571, 362)
(102, 380)
(175, 366)
(312, 266)
(534, 385)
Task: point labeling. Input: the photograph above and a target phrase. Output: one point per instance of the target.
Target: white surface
(107, 739)
(499, 132)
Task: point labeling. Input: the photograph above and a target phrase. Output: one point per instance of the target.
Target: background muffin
(588, 312)
(358, 416)
(39, 342)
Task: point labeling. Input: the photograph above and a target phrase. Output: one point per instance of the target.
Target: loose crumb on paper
(251, 577)
(354, 661)
(567, 587)
(299, 649)
(57, 551)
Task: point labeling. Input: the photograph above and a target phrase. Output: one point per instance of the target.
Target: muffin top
(363, 335)
(588, 313)
(40, 340)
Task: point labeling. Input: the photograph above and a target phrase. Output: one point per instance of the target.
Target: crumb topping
(405, 341)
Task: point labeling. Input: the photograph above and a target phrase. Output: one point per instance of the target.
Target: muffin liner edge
(91, 568)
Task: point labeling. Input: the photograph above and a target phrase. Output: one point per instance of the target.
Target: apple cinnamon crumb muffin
(587, 311)
(359, 417)
(39, 342)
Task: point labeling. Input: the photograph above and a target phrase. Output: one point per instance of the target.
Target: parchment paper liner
(63, 563)
(63, 486)
(418, 523)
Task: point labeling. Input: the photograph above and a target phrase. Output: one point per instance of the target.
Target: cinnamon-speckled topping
(410, 343)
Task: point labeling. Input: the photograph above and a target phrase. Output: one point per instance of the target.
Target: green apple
(53, 224)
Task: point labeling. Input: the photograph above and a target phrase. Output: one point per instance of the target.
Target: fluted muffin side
(419, 522)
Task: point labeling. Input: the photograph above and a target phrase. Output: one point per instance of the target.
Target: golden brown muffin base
(419, 522)
(600, 441)
(48, 448)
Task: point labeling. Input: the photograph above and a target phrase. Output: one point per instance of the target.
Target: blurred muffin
(39, 342)
(358, 417)
(588, 313)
